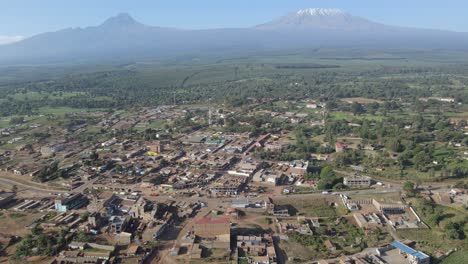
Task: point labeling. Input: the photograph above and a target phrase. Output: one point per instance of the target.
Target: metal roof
(408, 250)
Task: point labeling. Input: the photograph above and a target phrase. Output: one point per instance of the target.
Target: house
(133, 250)
(117, 224)
(257, 249)
(367, 221)
(298, 167)
(123, 238)
(280, 210)
(340, 147)
(311, 105)
(357, 168)
(77, 245)
(330, 245)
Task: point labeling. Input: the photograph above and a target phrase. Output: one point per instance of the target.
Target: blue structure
(65, 204)
(414, 256)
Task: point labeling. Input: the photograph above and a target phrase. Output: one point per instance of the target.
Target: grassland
(458, 257)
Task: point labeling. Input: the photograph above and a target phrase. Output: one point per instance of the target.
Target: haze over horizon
(16, 22)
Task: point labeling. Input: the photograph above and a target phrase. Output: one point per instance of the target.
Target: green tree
(356, 108)
(408, 187)
(81, 236)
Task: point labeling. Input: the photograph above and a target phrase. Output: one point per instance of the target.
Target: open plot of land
(460, 256)
(14, 223)
(311, 205)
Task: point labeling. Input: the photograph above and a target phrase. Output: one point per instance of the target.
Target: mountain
(122, 38)
(321, 19)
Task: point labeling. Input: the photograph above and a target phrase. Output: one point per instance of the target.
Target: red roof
(329, 244)
(206, 220)
(341, 145)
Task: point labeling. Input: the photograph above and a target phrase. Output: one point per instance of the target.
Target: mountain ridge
(121, 37)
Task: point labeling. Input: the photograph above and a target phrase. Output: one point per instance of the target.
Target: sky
(24, 18)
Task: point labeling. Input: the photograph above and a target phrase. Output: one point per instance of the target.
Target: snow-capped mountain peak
(320, 19)
(320, 12)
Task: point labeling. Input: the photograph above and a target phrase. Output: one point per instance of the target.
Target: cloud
(10, 39)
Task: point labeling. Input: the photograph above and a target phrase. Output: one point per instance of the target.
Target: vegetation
(41, 244)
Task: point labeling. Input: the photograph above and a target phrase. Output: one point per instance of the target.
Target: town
(273, 181)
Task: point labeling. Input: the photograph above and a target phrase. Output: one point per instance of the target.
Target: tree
(454, 230)
(16, 120)
(421, 160)
(84, 216)
(408, 187)
(395, 145)
(356, 108)
(327, 178)
(37, 230)
(82, 237)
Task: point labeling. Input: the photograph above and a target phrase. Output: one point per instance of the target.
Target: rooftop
(408, 250)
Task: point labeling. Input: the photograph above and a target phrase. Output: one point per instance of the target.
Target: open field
(457, 257)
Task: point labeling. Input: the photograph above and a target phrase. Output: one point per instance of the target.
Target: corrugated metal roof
(408, 250)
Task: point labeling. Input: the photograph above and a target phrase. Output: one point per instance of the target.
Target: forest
(230, 81)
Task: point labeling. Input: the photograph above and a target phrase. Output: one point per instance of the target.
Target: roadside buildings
(413, 256)
(357, 181)
(74, 201)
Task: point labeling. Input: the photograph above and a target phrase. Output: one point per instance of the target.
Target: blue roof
(408, 250)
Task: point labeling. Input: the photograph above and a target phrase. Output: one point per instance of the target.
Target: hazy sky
(29, 17)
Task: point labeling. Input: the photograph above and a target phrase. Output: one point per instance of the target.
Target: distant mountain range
(121, 38)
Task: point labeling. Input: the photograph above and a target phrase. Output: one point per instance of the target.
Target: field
(314, 205)
(14, 223)
(457, 257)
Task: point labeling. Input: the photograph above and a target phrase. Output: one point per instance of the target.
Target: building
(117, 224)
(48, 151)
(276, 146)
(340, 147)
(257, 249)
(240, 203)
(280, 210)
(357, 181)
(64, 204)
(86, 253)
(330, 245)
(368, 221)
(269, 177)
(311, 105)
(6, 198)
(246, 168)
(413, 256)
(298, 167)
(213, 227)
